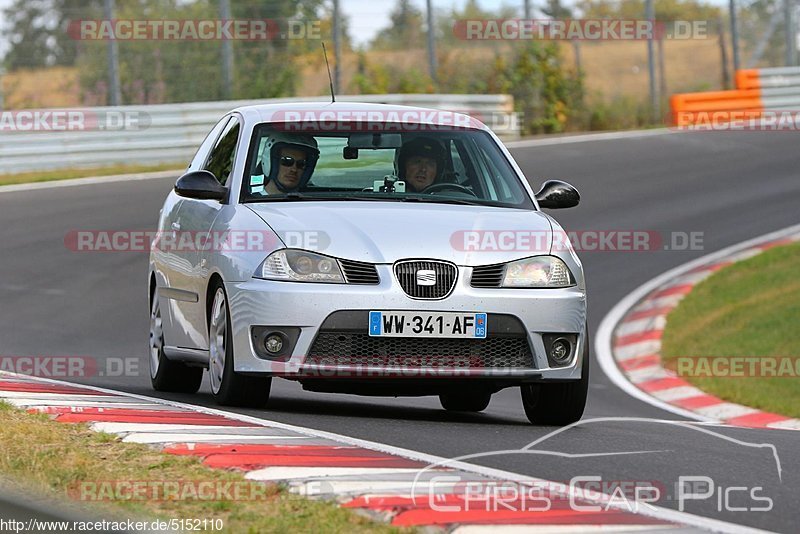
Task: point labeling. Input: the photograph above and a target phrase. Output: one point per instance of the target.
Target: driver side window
(220, 160)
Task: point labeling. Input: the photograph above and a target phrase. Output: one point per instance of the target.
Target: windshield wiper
(439, 200)
(295, 196)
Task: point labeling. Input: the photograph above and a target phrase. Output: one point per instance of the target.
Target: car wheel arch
(213, 281)
(152, 288)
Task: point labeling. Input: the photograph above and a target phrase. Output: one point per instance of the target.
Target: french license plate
(415, 324)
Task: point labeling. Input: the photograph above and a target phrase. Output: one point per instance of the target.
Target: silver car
(371, 250)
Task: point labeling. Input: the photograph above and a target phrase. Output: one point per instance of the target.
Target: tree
(447, 21)
(37, 32)
(405, 30)
(665, 10)
(555, 10)
(548, 97)
(155, 71)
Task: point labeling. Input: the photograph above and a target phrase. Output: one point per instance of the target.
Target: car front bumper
(308, 305)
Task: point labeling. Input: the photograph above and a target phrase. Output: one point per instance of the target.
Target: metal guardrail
(176, 130)
(780, 88)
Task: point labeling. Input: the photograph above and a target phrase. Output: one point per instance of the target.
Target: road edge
(627, 343)
(674, 517)
(89, 180)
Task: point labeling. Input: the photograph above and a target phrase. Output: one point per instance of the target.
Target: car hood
(384, 232)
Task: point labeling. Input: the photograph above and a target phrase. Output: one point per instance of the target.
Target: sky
(367, 17)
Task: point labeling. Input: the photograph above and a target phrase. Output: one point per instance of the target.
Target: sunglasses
(288, 161)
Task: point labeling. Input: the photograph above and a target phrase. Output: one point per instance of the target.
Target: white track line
(154, 438)
(607, 501)
(275, 474)
(604, 336)
(586, 138)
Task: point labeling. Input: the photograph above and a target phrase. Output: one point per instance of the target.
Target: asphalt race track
(730, 186)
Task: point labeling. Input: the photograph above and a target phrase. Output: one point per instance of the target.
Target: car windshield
(452, 166)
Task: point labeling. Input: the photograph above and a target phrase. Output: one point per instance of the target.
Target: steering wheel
(444, 186)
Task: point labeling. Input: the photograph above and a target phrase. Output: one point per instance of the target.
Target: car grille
(445, 273)
(356, 272)
(359, 349)
(487, 275)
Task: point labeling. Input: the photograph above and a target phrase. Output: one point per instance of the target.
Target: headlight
(540, 271)
(300, 266)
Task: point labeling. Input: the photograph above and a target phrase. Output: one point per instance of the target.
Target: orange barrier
(761, 94)
(691, 108)
(748, 79)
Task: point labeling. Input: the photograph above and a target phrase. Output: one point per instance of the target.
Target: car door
(170, 264)
(194, 221)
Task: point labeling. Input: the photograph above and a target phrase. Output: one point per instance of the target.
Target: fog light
(273, 343)
(560, 350)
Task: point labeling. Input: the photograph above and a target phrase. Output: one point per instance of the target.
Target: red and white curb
(629, 341)
(383, 481)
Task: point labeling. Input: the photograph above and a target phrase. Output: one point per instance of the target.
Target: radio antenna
(330, 78)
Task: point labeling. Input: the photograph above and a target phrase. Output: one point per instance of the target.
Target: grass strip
(70, 460)
(750, 312)
(68, 174)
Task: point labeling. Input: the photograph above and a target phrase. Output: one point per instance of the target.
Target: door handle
(176, 225)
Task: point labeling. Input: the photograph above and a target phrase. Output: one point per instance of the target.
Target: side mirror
(556, 194)
(201, 185)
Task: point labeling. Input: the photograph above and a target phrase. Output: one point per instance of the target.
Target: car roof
(312, 111)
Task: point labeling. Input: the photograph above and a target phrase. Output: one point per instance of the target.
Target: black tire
(472, 401)
(558, 403)
(167, 375)
(232, 388)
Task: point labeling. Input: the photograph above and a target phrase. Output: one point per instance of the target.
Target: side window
(220, 160)
(458, 165)
(495, 180)
(201, 155)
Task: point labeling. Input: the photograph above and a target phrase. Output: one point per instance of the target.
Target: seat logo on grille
(426, 277)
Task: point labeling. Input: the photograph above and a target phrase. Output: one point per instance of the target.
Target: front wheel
(229, 387)
(558, 403)
(166, 375)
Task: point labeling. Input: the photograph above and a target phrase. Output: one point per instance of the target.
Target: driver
(290, 159)
(421, 163)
